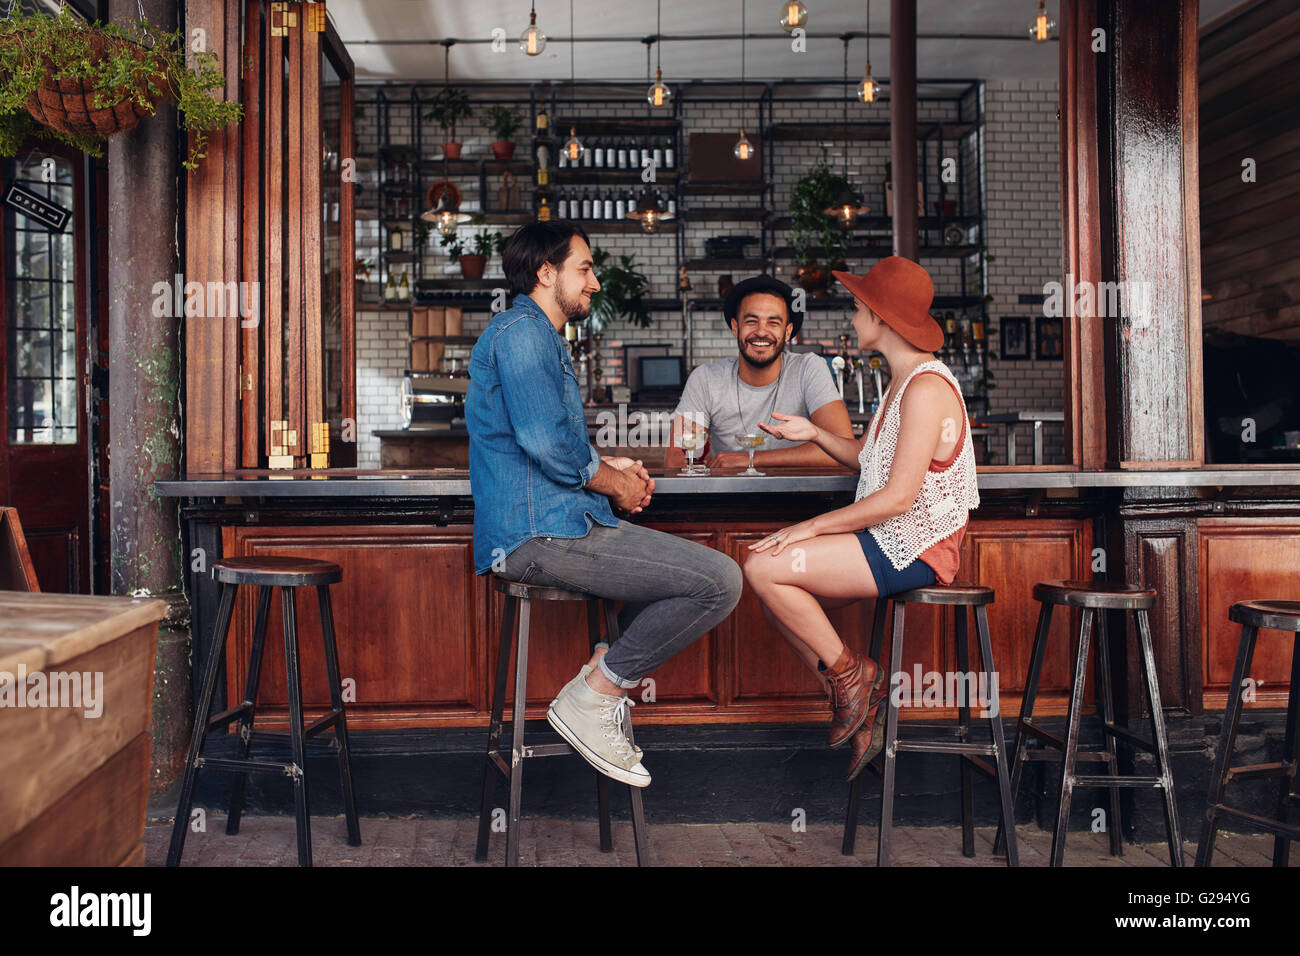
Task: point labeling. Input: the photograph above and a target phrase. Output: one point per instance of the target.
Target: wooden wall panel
(406, 618)
(1244, 559)
(1162, 555)
(1250, 239)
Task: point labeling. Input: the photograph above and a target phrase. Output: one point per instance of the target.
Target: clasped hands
(636, 488)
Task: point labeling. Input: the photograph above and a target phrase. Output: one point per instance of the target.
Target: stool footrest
(983, 766)
(944, 747)
(1046, 736)
(1141, 743)
(286, 735)
(1255, 771)
(1106, 780)
(228, 716)
(547, 750)
(1080, 756)
(232, 765)
(1276, 827)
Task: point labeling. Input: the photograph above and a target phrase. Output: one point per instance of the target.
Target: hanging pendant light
(867, 88)
(659, 93)
(444, 196)
(743, 149)
(1042, 28)
(846, 204)
(649, 212)
(573, 148)
(793, 15)
(532, 41)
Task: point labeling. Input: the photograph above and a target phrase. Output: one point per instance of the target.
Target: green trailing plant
(814, 235)
(448, 107)
(454, 246)
(133, 63)
(485, 243)
(503, 121)
(623, 290)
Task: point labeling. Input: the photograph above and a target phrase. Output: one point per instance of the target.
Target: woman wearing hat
(904, 528)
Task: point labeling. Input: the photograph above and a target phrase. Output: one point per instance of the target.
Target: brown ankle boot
(850, 688)
(869, 739)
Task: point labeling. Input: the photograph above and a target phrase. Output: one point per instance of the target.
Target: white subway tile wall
(1020, 182)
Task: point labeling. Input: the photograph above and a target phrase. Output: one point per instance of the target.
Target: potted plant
(472, 264)
(504, 123)
(361, 273)
(446, 108)
(816, 235)
(622, 291)
(80, 83)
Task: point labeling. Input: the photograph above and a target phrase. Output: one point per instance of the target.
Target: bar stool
(288, 574)
(960, 597)
(1095, 597)
(1252, 615)
(511, 766)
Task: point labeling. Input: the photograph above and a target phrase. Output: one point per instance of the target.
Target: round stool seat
(966, 595)
(272, 571)
(1104, 595)
(1283, 615)
(535, 592)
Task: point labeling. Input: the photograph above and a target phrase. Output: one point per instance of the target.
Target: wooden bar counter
(74, 778)
(417, 629)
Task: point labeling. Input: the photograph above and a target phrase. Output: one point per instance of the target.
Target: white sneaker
(594, 724)
(582, 676)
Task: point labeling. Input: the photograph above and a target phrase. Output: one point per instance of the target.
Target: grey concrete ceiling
(619, 55)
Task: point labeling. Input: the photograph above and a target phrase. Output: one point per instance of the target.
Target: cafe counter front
(418, 630)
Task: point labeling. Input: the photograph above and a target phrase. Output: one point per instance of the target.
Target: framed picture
(1015, 337)
(1049, 338)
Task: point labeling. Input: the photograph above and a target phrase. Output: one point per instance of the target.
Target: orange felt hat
(900, 292)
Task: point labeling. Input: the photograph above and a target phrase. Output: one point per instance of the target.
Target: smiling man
(736, 395)
(543, 496)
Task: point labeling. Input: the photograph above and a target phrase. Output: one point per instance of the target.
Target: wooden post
(902, 125)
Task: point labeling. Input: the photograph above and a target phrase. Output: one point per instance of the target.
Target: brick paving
(268, 840)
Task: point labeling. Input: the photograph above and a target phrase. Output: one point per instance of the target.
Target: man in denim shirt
(543, 496)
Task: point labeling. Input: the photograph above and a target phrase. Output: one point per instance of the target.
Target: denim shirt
(529, 456)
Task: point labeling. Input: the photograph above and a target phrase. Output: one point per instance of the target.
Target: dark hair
(534, 244)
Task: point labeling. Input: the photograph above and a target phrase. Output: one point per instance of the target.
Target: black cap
(766, 284)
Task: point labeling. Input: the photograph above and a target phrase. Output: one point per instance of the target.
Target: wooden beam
(902, 120)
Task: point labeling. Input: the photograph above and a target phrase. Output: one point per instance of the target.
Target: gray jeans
(675, 590)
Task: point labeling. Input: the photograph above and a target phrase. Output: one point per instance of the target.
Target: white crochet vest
(941, 506)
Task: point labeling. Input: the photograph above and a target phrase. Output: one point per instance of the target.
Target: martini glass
(751, 441)
(690, 440)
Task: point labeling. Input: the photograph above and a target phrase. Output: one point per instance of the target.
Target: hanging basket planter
(80, 83)
(70, 105)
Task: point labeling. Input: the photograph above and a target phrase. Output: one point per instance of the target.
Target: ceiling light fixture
(659, 93)
(649, 212)
(744, 149)
(1042, 28)
(867, 88)
(532, 41)
(793, 15)
(572, 148)
(846, 205)
(446, 214)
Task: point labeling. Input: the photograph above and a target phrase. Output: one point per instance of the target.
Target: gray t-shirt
(715, 397)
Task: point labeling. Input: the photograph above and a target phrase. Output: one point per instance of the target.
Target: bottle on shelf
(599, 159)
(543, 122)
(390, 287)
(608, 206)
(404, 288)
(586, 204)
(544, 211)
(622, 156)
(620, 207)
(562, 207)
(668, 154)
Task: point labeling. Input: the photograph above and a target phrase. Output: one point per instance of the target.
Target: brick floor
(265, 840)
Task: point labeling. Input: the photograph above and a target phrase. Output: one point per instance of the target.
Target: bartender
(731, 397)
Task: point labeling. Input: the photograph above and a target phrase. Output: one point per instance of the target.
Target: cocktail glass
(690, 440)
(751, 441)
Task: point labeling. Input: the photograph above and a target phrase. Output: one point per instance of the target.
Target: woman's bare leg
(806, 653)
(790, 584)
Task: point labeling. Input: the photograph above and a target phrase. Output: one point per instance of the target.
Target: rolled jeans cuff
(614, 678)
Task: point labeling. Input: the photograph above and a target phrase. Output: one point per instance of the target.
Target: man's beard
(575, 310)
(777, 349)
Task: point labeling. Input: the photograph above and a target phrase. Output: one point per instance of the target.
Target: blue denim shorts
(918, 574)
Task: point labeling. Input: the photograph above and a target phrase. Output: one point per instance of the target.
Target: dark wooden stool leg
(1291, 753)
(494, 727)
(1107, 700)
(1071, 737)
(891, 739)
(602, 781)
(517, 734)
(1026, 713)
(855, 788)
(1161, 741)
(640, 832)
(336, 703)
(250, 700)
(288, 600)
(993, 703)
(1227, 739)
(216, 657)
(963, 734)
